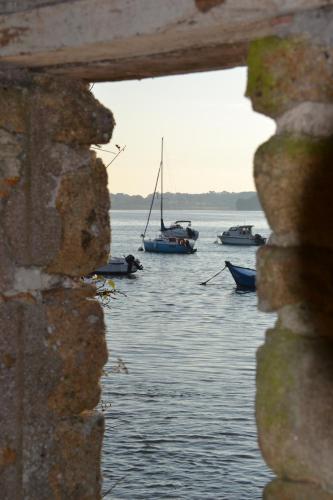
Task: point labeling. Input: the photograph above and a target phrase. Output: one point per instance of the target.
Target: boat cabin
(245, 230)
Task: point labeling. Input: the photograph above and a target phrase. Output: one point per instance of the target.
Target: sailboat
(173, 239)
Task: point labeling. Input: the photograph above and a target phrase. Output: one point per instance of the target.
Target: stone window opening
(51, 356)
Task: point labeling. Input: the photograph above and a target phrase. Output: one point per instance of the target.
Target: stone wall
(291, 80)
(54, 223)
(54, 228)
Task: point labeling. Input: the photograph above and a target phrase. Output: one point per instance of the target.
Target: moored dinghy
(245, 278)
(119, 266)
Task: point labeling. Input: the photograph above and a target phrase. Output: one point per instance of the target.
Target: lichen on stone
(283, 72)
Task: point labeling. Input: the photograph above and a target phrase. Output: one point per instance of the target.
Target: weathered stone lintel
(62, 34)
(83, 31)
(183, 61)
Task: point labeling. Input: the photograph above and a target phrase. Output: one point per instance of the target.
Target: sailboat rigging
(173, 239)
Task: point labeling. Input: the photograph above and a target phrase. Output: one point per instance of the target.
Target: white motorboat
(120, 265)
(241, 235)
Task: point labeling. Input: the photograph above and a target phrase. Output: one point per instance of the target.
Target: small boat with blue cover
(245, 278)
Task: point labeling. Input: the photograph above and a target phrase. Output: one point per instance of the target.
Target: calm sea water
(181, 423)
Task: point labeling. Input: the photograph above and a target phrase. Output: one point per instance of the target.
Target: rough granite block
(283, 72)
(294, 406)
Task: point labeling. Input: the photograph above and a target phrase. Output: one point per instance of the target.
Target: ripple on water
(181, 424)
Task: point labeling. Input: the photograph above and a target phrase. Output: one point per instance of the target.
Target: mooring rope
(205, 282)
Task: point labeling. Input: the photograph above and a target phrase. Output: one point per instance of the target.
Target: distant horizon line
(180, 192)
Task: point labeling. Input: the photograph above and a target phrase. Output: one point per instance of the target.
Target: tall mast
(161, 167)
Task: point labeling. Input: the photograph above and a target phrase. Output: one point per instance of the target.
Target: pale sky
(210, 132)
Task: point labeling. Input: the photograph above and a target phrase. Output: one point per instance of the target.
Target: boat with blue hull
(245, 278)
(173, 239)
(169, 245)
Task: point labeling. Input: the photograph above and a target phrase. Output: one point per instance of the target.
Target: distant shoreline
(186, 209)
(222, 201)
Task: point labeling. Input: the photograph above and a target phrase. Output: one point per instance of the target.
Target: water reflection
(181, 424)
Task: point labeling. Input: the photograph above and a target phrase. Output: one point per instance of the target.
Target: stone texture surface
(65, 112)
(51, 354)
(291, 80)
(285, 72)
(76, 334)
(308, 118)
(287, 490)
(293, 177)
(83, 203)
(54, 226)
(70, 113)
(314, 24)
(62, 36)
(14, 105)
(6, 264)
(294, 406)
(305, 319)
(38, 240)
(11, 6)
(292, 276)
(83, 437)
(11, 151)
(10, 404)
(52, 351)
(26, 379)
(54, 205)
(52, 184)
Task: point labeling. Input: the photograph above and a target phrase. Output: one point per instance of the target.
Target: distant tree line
(246, 200)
